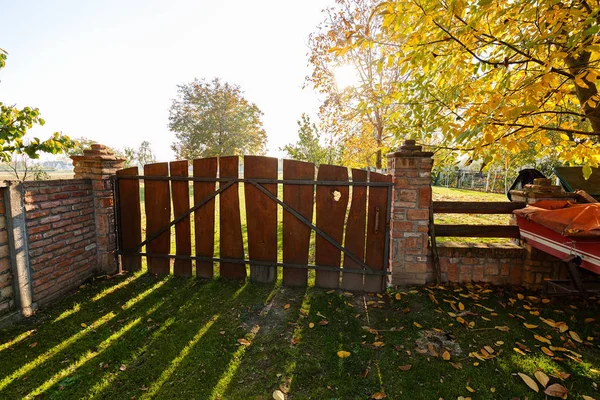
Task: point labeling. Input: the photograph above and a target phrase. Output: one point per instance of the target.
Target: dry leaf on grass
(243, 342)
(278, 395)
(343, 354)
(311, 325)
(542, 339)
(529, 382)
(557, 390)
(378, 396)
(529, 326)
(405, 367)
(575, 337)
(542, 378)
(446, 355)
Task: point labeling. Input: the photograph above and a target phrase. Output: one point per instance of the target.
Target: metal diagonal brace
(313, 227)
(181, 217)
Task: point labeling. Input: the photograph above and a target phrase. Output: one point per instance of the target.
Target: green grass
(451, 194)
(141, 336)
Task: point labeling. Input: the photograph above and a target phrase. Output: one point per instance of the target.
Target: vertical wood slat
(158, 214)
(354, 240)
(261, 217)
(204, 217)
(181, 204)
(130, 218)
(296, 235)
(231, 241)
(376, 231)
(330, 215)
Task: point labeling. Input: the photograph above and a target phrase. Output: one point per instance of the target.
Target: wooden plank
(181, 204)
(158, 214)
(331, 203)
(231, 242)
(474, 207)
(130, 218)
(261, 217)
(296, 234)
(376, 232)
(355, 231)
(499, 231)
(204, 217)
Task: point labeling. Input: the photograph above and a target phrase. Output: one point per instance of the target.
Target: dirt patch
(432, 341)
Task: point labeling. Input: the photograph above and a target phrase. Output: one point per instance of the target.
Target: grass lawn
(451, 194)
(139, 336)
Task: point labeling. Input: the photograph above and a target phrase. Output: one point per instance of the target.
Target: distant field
(7, 176)
(450, 194)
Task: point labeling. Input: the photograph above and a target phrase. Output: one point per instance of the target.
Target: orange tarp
(568, 219)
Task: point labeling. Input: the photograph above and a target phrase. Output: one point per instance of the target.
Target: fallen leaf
(286, 306)
(519, 351)
(575, 337)
(123, 367)
(278, 395)
(529, 326)
(32, 345)
(461, 306)
(542, 339)
(557, 390)
(398, 297)
(489, 349)
(329, 291)
(470, 389)
(456, 365)
(311, 325)
(378, 396)
(589, 320)
(343, 354)
(446, 355)
(378, 344)
(520, 296)
(584, 397)
(547, 351)
(323, 322)
(83, 325)
(529, 382)
(243, 342)
(541, 377)
(405, 367)
(295, 340)
(545, 301)
(417, 325)
(503, 328)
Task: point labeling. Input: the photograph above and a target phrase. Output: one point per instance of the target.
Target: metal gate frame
(224, 184)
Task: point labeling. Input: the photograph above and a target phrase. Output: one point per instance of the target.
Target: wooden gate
(351, 217)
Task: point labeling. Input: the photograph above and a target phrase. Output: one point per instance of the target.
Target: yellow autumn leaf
(517, 350)
(243, 342)
(542, 339)
(418, 325)
(461, 306)
(470, 389)
(378, 396)
(575, 337)
(529, 326)
(83, 325)
(311, 325)
(446, 355)
(520, 296)
(589, 320)
(503, 328)
(584, 397)
(378, 344)
(343, 354)
(285, 307)
(529, 382)
(547, 351)
(541, 377)
(397, 296)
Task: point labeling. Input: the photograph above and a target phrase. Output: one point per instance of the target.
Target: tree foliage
(486, 76)
(360, 114)
(213, 119)
(309, 146)
(14, 124)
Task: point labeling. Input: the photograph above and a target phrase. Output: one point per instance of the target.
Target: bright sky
(107, 70)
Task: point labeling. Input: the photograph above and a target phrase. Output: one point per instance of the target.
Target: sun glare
(345, 76)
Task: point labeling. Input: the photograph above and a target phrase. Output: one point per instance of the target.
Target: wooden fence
(353, 222)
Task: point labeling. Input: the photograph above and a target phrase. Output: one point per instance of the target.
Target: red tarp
(568, 219)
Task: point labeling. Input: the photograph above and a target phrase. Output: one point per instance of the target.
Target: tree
(308, 147)
(14, 124)
(144, 154)
(213, 119)
(482, 76)
(368, 106)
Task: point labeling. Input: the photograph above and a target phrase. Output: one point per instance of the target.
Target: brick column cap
(410, 149)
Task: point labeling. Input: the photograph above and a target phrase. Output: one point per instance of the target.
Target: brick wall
(61, 235)
(500, 264)
(6, 289)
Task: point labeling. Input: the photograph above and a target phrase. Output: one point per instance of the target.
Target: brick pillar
(99, 164)
(410, 168)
